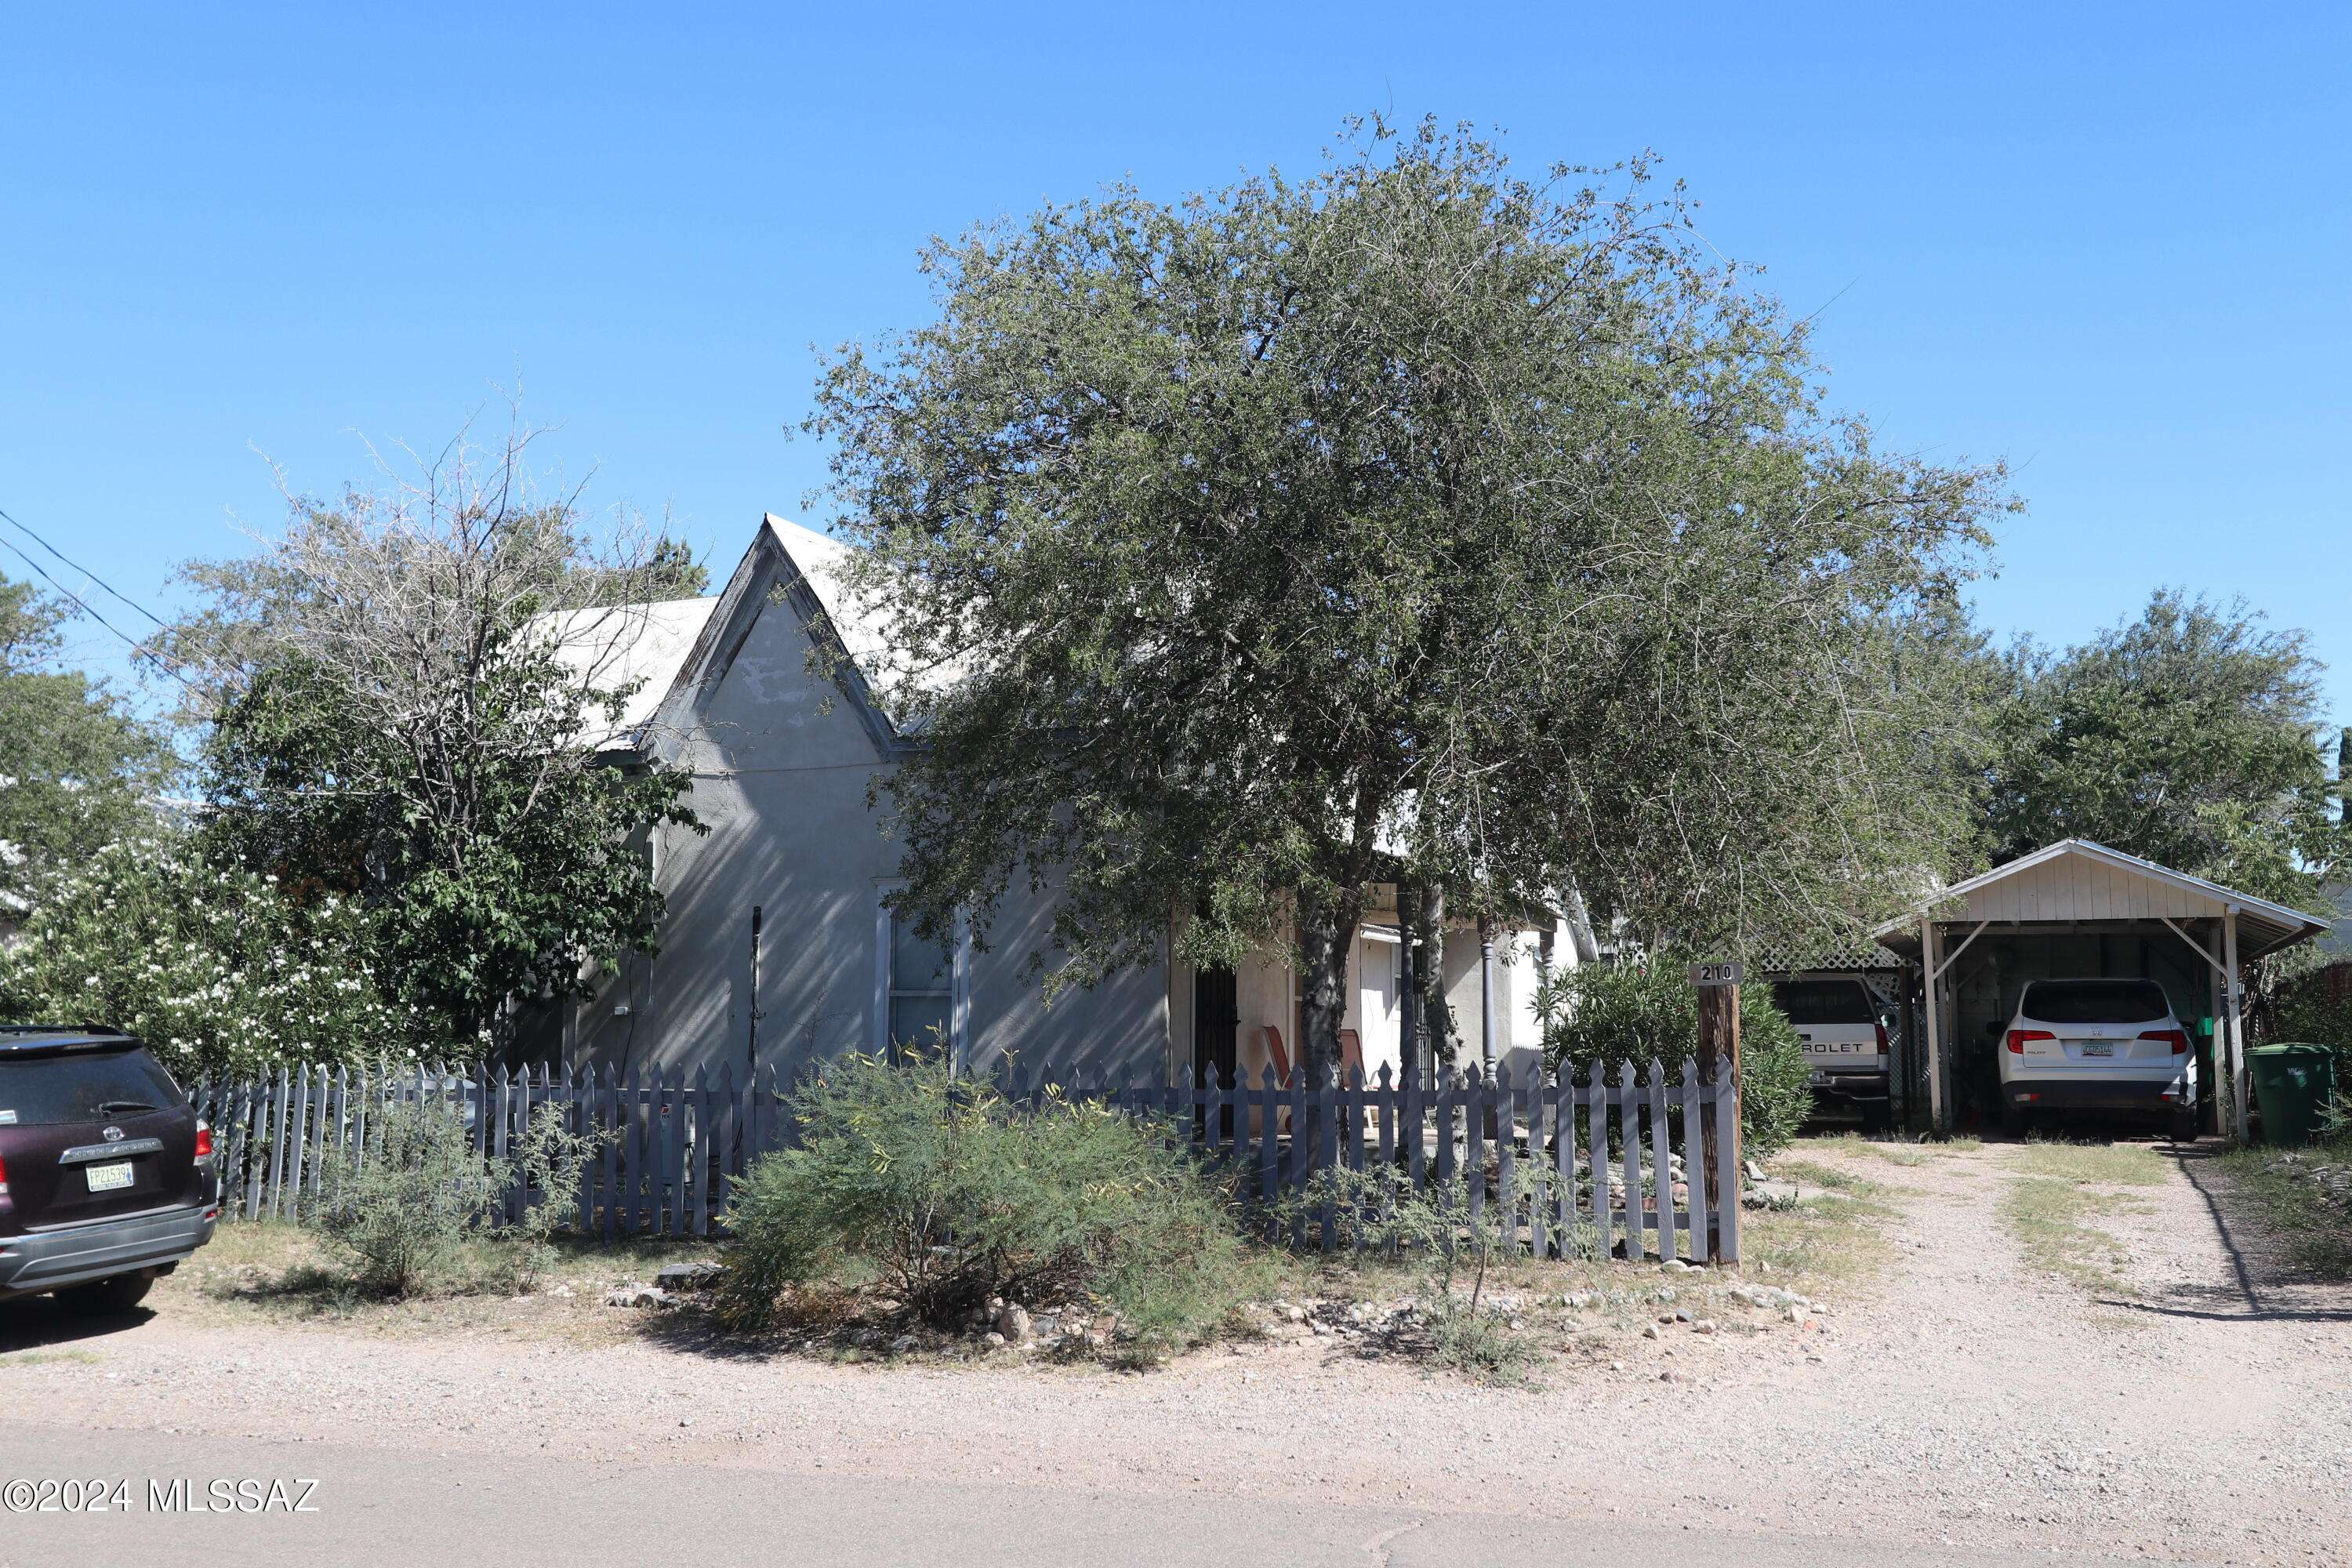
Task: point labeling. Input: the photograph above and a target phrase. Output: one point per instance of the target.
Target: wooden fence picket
(1727, 1110)
(672, 1148)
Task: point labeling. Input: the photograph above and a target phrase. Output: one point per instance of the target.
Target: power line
(161, 661)
(83, 570)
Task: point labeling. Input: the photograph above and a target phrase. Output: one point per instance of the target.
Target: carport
(2082, 909)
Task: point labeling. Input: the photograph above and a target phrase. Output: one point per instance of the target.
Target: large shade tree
(2193, 736)
(78, 769)
(408, 693)
(1415, 519)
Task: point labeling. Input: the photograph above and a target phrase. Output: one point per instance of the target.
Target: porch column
(1938, 1113)
(1408, 986)
(1486, 992)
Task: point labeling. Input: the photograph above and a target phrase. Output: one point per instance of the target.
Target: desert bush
(948, 1195)
(2309, 1010)
(1602, 1015)
(404, 1204)
(417, 1208)
(549, 1160)
(1381, 1211)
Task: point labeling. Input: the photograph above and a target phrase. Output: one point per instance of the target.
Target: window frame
(958, 990)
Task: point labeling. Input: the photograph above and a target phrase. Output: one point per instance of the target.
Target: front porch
(1232, 1021)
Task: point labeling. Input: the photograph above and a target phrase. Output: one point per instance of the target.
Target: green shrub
(1776, 1082)
(1381, 1211)
(549, 1160)
(418, 1208)
(949, 1195)
(405, 1203)
(1605, 1015)
(2306, 1013)
(219, 972)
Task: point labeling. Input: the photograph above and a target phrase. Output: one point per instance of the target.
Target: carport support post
(2234, 1016)
(1930, 967)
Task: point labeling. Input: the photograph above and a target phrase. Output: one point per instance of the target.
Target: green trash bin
(2291, 1083)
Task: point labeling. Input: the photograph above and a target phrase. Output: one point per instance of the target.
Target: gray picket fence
(1598, 1168)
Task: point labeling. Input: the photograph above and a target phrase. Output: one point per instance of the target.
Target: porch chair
(1281, 1061)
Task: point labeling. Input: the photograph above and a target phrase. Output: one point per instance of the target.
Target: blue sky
(2106, 243)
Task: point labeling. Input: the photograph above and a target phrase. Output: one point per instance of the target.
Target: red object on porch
(1351, 1054)
(1277, 1055)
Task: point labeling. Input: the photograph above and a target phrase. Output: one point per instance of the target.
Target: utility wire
(161, 661)
(83, 570)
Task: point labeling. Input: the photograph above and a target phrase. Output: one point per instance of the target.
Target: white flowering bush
(215, 967)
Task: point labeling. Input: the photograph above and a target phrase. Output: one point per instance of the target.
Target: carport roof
(2076, 882)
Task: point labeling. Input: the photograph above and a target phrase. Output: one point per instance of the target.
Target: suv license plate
(110, 1178)
(2098, 1047)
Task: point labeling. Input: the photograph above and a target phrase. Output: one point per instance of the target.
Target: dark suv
(106, 1174)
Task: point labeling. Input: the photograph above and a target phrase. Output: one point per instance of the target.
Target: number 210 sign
(1728, 972)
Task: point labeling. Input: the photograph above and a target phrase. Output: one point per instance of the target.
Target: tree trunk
(1580, 925)
(1436, 1018)
(1327, 928)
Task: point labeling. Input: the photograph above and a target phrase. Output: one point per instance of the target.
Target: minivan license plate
(110, 1178)
(2098, 1047)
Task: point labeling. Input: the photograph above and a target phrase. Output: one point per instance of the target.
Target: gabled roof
(2077, 881)
(800, 569)
(617, 645)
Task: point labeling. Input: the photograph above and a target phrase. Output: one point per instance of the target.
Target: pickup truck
(1844, 1041)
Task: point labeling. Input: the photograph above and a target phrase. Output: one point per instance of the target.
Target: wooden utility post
(1718, 1061)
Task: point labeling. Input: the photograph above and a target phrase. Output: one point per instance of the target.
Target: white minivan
(2098, 1045)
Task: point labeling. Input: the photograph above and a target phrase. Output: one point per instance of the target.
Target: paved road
(406, 1507)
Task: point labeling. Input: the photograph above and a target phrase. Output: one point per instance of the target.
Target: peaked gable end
(767, 578)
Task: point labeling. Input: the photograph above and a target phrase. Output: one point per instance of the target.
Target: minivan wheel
(107, 1297)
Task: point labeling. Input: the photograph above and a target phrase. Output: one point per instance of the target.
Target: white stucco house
(777, 949)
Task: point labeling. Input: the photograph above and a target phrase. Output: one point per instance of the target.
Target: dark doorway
(1216, 1033)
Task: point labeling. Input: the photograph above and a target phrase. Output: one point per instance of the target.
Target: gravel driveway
(2203, 1415)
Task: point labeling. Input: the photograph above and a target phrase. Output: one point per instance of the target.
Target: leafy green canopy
(1597, 1017)
(413, 688)
(212, 966)
(78, 769)
(1414, 518)
(2191, 737)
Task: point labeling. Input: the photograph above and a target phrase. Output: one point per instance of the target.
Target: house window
(919, 985)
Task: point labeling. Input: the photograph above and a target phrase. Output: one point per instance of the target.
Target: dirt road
(1966, 1402)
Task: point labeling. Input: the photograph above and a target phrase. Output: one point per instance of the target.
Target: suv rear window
(2094, 1002)
(1823, 1002)
(82, 1086)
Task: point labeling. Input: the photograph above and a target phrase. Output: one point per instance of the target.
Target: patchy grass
(2106, 1164)
(1832, 1238)
(1813, 1172)
(2047, 1214)
(1894, 1151)
(290, 1274)
(2280, 1187)
(50, 1358)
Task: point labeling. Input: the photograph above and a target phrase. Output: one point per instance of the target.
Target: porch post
(1486, 992)
(1407, 984)
(2234, 1010)
(1938, 1111)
